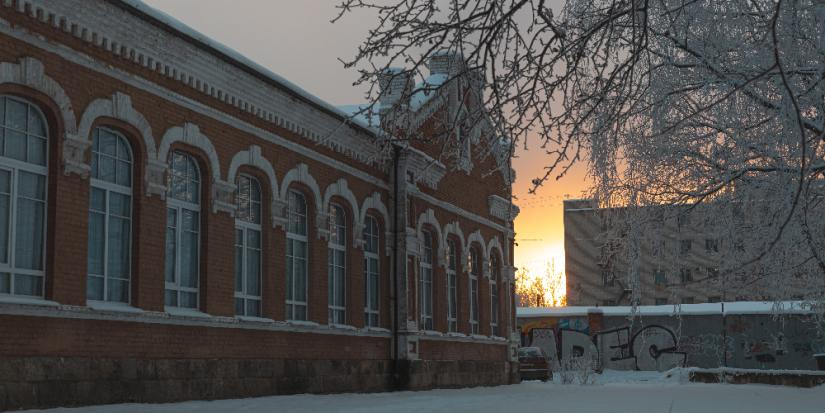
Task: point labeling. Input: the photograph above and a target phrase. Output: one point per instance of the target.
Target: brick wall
(87, 70)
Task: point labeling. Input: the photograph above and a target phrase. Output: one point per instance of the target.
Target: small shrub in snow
(580, 370)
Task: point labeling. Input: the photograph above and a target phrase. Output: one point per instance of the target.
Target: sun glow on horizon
(543, 277)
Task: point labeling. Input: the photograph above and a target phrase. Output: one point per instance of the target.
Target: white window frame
(337, 312)
(452, 290)
(372, 256)
(474, 309)
(14, 167)
(128, 191)
(178, 206)
(494, 307)
(295, 237)
(245, 227)
(425, 274)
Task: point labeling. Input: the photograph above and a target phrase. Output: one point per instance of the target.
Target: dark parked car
(534, 364)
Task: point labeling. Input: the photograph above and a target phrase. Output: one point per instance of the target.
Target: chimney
(446, 62)
(396, 84)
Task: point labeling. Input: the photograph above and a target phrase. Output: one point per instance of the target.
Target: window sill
(255, 319)
(378, 330)
(25, 300)
(342, 326)
(185, 312)
(302, 323)
(457, 335)
(479, 337)
(116, 307)
(431, 332)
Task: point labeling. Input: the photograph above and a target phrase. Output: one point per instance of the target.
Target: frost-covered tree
(694, 106)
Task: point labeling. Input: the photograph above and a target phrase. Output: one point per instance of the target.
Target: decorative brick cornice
(502, 208)
(425, 169)
(195, 64)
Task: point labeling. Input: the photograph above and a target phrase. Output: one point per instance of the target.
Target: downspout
(395, 267)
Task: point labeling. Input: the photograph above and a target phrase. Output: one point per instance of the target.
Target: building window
(474, 269)
(687, 300)
(684, 219)
(685, 247)
(738, 215)
(494, 295)
(452, 291)
(337, 260)
(248, 247)
(110, 218)
(296, 258)
(686, 275)
(608, 303)
(798, 297)
(658, 249)
(371, 278)
(715, 299)
(634, 279)
(183, 207)
(23, 172)
(608, 279)
(604, 253)
(661, 301)
(711, 246)
(426, 274)
(713, 272)
(660, 276)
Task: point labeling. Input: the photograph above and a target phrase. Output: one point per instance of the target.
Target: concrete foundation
(47, 382)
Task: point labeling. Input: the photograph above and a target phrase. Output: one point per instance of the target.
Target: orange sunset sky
(296, 40)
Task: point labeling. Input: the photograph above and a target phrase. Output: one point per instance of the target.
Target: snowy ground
(617, 392)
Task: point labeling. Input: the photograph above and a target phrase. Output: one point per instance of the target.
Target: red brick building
(178, 223)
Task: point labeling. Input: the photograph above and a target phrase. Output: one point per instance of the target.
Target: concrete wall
(661, 342)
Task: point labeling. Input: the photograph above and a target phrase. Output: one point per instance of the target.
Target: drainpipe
(395, 267)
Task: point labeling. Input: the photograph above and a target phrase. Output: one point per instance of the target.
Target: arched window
(183, 210)
(474, 269)
(426, 274)
(248, 247)
(296, 258)
(337, 259)
(371, 278)
(110, 218)
(452, 294)
(494, 295)
(23, 171)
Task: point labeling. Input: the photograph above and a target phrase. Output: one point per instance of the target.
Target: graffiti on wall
(663, 342)
(649, 348)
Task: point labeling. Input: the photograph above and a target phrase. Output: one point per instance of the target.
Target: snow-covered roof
(425, 90)
(731, 308)
(232, 56)
(368, 118)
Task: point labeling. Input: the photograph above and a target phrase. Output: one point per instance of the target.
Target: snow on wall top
(234, 55)
(367, 119)
(731, 308)
(426, 90)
